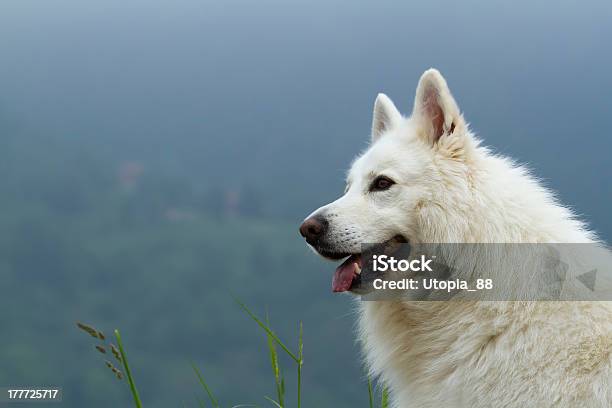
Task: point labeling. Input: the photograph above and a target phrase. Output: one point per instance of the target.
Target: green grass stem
(211, 397)
(126, 366)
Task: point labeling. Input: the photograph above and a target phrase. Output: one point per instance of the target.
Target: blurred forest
(118, 245)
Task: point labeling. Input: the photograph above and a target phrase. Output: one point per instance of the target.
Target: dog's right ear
(435, 108)
(385, 117)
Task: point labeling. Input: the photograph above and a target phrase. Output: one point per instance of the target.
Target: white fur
(450, 189)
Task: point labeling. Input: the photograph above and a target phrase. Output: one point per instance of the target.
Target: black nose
(313, 228)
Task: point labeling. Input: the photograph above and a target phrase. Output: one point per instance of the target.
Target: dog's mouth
(347, 276)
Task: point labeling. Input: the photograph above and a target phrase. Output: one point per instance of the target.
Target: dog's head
(404, 171)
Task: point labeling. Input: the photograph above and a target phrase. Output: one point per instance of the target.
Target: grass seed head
(89, 330)
(115, 352)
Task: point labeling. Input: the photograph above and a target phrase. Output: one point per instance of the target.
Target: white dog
(427, 179)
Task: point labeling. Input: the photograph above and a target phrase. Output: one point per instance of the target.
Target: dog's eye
(381, 183)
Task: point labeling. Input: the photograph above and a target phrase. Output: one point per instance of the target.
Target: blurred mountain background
(157, 157)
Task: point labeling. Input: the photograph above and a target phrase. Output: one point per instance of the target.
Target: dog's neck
(514, 206)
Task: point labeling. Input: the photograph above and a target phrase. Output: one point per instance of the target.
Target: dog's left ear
(385, 116)
(435, 108)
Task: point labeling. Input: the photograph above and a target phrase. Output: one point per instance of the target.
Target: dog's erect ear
(435, 108)
(385, 117)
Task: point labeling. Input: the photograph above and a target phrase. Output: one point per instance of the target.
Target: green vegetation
(273, 340)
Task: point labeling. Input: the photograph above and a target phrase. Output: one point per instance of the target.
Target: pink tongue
(343, 277)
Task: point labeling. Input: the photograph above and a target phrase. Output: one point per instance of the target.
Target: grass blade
(126, 366)
(211, 397)
(370, 392)
(385, 398)
(267, 330)
(273, 402)
(278, 379)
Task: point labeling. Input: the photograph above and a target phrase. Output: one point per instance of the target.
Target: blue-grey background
(158, 156)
